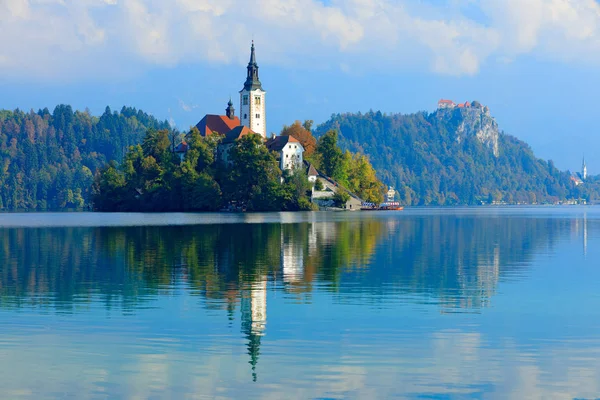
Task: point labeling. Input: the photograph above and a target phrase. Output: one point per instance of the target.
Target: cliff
(474, 121)
(454, 155)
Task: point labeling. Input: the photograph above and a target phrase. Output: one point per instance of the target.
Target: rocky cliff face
(475, 121)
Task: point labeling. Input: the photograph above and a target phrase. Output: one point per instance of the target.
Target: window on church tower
(257, 100)
(257, 116)
(245, 100)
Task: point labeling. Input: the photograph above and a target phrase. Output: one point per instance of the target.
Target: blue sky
(534, 62)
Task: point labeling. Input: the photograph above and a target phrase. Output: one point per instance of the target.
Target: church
(251, 120)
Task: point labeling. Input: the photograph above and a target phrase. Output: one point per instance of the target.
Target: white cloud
(71, 38)
(187, 107)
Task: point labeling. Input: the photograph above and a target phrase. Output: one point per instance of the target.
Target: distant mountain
(455, 155)
(47, 160)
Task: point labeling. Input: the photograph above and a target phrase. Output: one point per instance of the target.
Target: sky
(535, 63)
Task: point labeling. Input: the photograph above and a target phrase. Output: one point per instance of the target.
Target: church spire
(252, 55)
(252, 81)
(230, 111)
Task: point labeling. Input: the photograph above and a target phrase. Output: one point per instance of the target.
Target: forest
(420, 156)
(48, 160)
(153, 178)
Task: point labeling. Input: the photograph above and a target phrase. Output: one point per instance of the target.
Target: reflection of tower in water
(476, 283)
(292, 258)
(254, 319)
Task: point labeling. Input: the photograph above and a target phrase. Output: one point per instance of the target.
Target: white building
(289, 151)
(446, 104)
(584, 170)
(252, 100)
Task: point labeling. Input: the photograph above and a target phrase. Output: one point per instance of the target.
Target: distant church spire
(584, 170)
(252, 99)
(252, 81)
(230, 111)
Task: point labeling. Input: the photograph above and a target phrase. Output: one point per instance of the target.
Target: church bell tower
(584, 171)
(252, 99)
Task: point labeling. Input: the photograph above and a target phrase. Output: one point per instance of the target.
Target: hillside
(47, 160)
(454, 156)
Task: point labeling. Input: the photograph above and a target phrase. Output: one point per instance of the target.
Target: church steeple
(584, 170)
(230, 111)
(252, 81)
(252, 99)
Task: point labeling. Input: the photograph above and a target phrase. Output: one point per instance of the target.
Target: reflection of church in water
(253, 303)
(254, 319)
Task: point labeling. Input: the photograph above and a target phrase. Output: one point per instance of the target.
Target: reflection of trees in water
(442, 255)
(57, 267)
(457, 261)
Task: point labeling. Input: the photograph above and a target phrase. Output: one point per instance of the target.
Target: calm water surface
(427, 303)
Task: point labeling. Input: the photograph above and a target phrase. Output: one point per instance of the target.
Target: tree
(48, 160)
(302, 133)
(331, 157)
(296, 190)
(253, 181)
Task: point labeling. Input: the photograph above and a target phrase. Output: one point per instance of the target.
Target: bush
(340, 198)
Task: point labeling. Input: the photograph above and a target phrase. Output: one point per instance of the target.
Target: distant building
(576, 180)
(391, 195)
(181, 149)
(220, 124)
(584, 170)
(289, 151)
(449, 104)
(229, 141)
(446, 104)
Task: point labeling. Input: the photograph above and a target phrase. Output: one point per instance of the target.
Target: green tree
(330, 156)
(253, 181)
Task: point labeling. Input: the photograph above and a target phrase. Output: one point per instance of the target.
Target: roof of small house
(181, 147)
(279, 142)
(236, 133)
(312, 171)
(217, 123)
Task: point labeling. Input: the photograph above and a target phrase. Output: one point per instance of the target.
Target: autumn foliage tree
(303, 134)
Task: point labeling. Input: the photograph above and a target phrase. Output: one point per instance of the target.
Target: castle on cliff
(449, 104)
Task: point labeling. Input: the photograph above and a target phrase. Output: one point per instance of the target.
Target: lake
(489, 303)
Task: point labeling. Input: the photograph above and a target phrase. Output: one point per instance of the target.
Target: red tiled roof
(237, 133)
(278, 142)
(217, 123)
(181, 147)
(445, 102)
